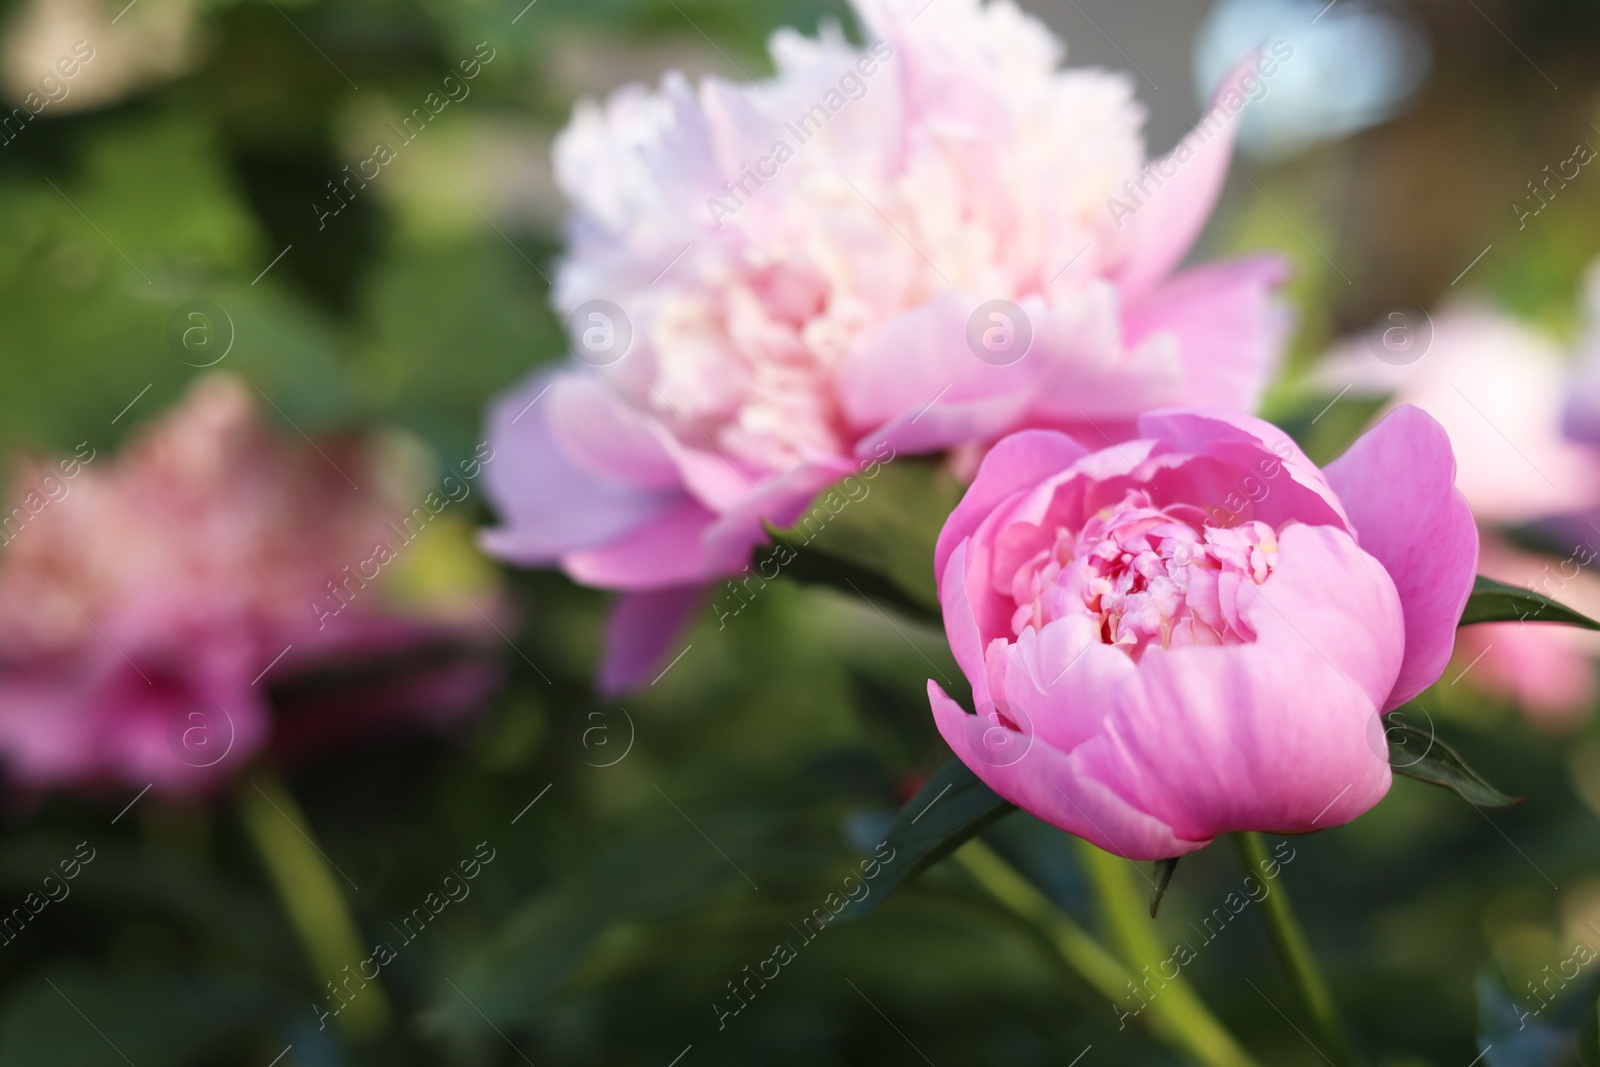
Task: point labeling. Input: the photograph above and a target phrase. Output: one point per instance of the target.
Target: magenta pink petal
(1015, 464)
(1398, 485)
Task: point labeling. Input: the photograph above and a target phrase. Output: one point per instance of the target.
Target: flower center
(1147, 574)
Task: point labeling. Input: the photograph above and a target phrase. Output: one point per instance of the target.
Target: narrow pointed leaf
(791, 557)
(1421, 755)
(1493, 601)
(872, 536)
(952, 806)
(1158, 888)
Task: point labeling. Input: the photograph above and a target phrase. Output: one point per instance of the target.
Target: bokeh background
(672, 838)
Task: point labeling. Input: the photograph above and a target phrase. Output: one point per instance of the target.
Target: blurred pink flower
(1197, 631)
(1499, 386)
(1582, 414)
(1548, 671)
(144, 597)
(909, 247)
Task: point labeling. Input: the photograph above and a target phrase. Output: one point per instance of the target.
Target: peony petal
(961, 628)
(1017, 463)
(603, 436)
(1046, 783)
(1228, 329)
(669, 551)
(1353, 624)
(780, 501)
(548, 504)
(1164, 227)
(1246, 443)
(1398, 484)
(940, 426)
(1240, 737)
(921, 358)
(642, 629)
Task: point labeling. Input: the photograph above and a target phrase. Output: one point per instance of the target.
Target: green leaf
(1493, 601)
(872, 535)
(1158, 888)
(810, 565)
(1421, 755)
(951, 807)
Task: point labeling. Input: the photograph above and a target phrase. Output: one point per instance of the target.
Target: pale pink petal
(1168, 223)
(597, 432)
(1497, 386)
(549, 505)
(1050, 785)
(1227, 326)
(922, 358)
(670, 551)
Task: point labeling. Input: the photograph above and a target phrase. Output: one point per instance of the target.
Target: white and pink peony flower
(919, 244)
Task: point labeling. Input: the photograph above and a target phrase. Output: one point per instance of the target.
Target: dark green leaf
(1493, 601)
(951, 807)
(810, 565)
(1421, 755)
(1158, 888)
(872, 535)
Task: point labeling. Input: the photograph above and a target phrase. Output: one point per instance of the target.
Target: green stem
(1177, 1016)
(316, 906)
(1294, 952)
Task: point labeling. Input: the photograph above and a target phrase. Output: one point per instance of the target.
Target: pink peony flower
(154, 606)
(908, 247)
(1196, 631)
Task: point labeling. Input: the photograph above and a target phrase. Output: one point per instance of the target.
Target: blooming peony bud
(1197, 631)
